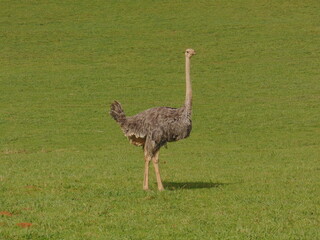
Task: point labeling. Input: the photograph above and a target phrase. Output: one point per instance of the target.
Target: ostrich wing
(139, 126)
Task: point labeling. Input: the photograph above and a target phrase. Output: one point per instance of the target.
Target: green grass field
(251, 167)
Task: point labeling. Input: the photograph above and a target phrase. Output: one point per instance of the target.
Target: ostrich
(154, 127)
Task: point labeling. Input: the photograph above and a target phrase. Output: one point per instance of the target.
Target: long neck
(188, 101)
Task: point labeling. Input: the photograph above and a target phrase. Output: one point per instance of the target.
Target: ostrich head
(190, 52)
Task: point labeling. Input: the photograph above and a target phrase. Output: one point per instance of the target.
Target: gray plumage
(154, 127)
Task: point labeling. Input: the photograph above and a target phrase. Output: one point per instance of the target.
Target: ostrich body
(154, 127)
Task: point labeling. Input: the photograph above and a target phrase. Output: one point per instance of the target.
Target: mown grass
(250, 169)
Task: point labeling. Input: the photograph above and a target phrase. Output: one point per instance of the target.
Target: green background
(250, 169)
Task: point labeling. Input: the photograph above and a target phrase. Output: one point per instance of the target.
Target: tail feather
(117, 113)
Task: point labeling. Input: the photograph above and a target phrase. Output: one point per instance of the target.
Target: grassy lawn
(251, 167)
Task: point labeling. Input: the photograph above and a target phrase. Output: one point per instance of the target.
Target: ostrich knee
(146, 172)
(155, 161)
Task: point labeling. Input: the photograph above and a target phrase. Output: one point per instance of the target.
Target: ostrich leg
(146, 171)
(155, 160)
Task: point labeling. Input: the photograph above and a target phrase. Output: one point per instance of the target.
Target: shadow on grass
(172, 186)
